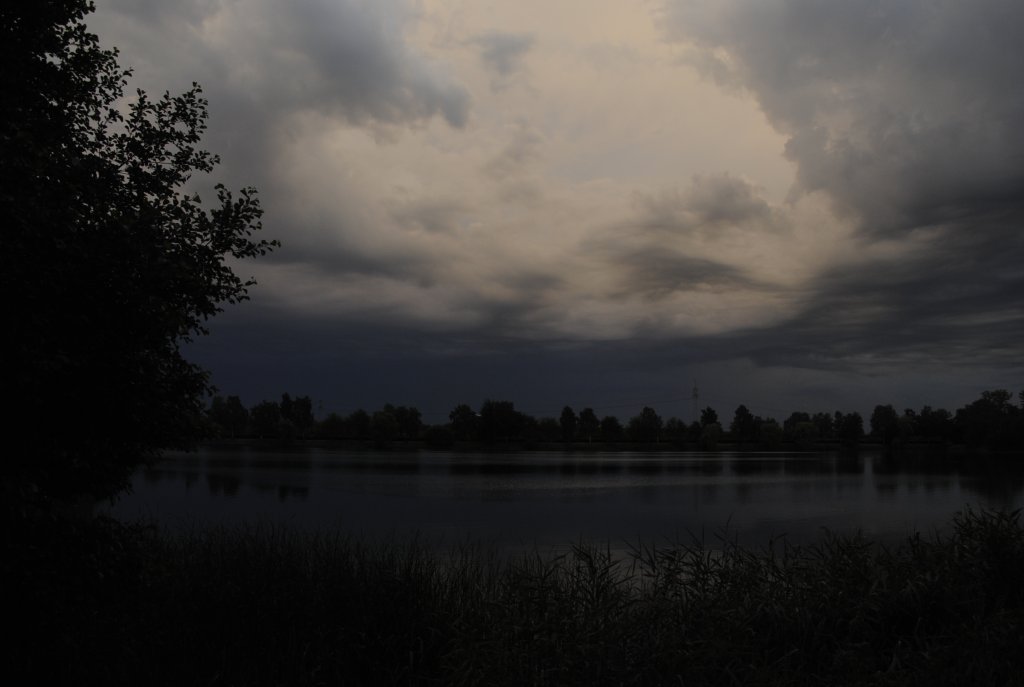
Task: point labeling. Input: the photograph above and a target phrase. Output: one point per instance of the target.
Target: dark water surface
(553, 499)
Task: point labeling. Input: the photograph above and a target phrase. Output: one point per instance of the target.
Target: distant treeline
(993, 421)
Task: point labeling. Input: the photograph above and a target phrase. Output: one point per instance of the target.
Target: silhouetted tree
(645, 427)
(229, 415)
(805, 434)
(409, 420)
(885, 424)
(743, 427)
(849, 428)
(693, 431)
(108, 264)
(286, 429)
(676, 430)
(789, 425)
(906, 425)
(934, 424)
(825, 424)
(359, 424)
(991, 421)
(611, 428)
(383, 427)
(548, 429)
(499, 421)
(302, 414)
(266, 418)
(769, 434)
(215, 414)
(439, 436)
(568, 421)
(708, 416)
(710, 435)
(464, 422)
(286, 406)
(332, 427)
(297, 413)
(588, 424)
(529, 430)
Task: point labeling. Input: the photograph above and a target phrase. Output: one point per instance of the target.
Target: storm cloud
(782, 192)
(502, 52)
(907, 116)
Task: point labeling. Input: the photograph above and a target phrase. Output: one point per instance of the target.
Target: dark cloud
(711, 203)
(657, 273)
(390, 287)
(269, 68)
(503, 53)
(523, 148)
(351, 58)
(154, 12)
(653, 255)
(276, 72)
(908, 116)
(434, 215)
(942, 308)
(337, 57)
(906, 113)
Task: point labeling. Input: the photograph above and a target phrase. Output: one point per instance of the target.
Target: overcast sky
(800, 204)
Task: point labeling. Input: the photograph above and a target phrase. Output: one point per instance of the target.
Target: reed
(267, 605)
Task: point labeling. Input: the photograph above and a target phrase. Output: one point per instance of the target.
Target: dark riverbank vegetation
(995, 422)
(115, 604)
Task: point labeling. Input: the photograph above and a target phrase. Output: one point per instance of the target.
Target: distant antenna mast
(696, 401)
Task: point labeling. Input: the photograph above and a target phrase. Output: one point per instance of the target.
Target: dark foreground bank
(103, 603)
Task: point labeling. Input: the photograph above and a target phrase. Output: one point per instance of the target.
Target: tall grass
(270, 606)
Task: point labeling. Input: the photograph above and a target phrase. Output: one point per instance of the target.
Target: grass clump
(271, 606)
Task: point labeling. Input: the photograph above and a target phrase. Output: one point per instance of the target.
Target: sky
(791, 204)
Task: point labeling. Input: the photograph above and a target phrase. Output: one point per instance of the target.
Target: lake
(552, 499)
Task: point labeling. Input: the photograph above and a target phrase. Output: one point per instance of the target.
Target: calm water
(552, 499)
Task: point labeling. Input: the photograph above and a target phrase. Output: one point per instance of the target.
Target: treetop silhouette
(109, 263)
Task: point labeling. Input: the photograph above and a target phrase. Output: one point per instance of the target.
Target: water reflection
(645, 467)
(562, 496)
(999, 484)
(749, 466)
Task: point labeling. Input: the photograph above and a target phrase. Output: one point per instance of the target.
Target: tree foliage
(109, 263)
(708, 416)
(743, 427)
(589, 425)
(500, 422)
(710, 435)
(885, 423)
(992, 420)
(611, 428)
(229, 415)
(266, 418)
(849, 428)
(645, 427)
(463, 422)
(568, 422)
